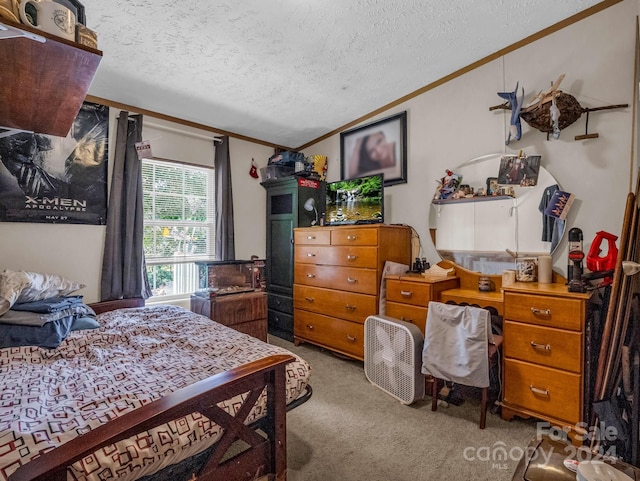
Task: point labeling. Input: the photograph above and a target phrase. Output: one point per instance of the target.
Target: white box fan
(393, 357)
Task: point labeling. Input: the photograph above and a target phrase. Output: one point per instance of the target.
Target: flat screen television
(356, 201)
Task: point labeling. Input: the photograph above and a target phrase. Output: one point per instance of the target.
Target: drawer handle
(406, 293)
(541, 392)
(351, 280)
(352, 258)
(310, 254)
(310, 327)
(541, 312)
(542, 347)
(310, 299)
(352, 237)
(351, 338)
(406, 319)
(311, 237)
(311, 276)
(350, 307)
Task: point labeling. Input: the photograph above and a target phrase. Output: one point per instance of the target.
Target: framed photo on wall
(378, 147)
(49, 179)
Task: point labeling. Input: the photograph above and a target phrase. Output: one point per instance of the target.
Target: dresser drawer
(355, 237)
(317, 236)
(356, 256)
(548, 311)
(279, 323)
(336, 334)
(345, 305)
(543, 345)
(280, 303)
(351, 279)
(408, 313)
(416, 293)
(547, 391)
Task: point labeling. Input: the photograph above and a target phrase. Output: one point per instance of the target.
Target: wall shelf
(42, 83)
(486, 198)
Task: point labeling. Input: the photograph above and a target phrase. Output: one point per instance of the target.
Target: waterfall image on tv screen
(356, 201)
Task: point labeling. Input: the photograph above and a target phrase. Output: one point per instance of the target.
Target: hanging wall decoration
(51, 179)
(550, 111)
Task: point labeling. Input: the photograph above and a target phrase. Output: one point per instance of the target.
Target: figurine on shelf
(448, 185)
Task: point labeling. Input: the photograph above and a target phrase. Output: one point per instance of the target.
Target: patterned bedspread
(138, 355)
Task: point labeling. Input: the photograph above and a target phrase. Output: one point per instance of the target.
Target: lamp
(309, 206)
(630, 268)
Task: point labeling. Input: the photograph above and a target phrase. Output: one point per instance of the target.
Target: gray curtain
(124, 273)
(225, 242)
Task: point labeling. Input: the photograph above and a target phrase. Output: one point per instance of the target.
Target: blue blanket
(52, 304)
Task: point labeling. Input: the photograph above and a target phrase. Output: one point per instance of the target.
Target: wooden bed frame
(264, 458)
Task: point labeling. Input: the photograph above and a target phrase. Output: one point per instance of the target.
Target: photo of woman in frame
(376, 148)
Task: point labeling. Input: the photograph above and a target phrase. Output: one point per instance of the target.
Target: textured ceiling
(290, 71)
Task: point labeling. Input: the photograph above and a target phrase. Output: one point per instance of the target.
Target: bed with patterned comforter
(50, 396)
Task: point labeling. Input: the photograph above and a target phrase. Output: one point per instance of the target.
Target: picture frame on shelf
(519, 170)
(377, 147)
(493, 188)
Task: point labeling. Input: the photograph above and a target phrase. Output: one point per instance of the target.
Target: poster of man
(51, 179)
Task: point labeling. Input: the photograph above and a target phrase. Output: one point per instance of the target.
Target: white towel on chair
(456, 346)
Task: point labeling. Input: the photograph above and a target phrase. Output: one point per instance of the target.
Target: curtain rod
(180, 131)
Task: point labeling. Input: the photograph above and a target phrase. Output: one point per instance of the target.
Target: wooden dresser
(337, 274)
(246, 313)
(545, 369)
(408, 296)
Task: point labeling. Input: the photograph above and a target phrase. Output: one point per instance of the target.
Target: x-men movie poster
(51, 179)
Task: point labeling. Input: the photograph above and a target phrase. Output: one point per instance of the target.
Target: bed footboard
(264, 456)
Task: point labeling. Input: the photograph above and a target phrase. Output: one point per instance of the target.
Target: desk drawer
(543, 345)
(547, 311)
(336, 334)
(414, 314)
(350, 279)
(415, 293)
(356, 256)
(547, 391)
(312, 237)
(346, 305)
(355, 237)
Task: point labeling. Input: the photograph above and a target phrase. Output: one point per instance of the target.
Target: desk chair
(458, 347)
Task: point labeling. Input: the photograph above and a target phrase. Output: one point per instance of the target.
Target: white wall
(452, 124)
(446, 126)
(75, 251)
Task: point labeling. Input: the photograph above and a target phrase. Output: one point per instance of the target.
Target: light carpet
(351, 430)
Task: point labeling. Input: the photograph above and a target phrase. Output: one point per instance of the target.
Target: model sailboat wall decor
(550, 111)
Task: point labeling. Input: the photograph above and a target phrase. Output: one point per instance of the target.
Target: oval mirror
(483, 233)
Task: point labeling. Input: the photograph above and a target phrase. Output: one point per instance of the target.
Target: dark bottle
(576, 254)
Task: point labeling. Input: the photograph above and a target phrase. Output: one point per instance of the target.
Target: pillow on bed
(24, 286)
(10, 289)
(81, 323)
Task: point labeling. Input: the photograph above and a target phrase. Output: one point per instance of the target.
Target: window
(179, 224)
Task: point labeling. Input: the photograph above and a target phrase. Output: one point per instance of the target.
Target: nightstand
(245, 312)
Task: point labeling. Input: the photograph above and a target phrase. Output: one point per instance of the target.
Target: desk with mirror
(547, 366)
